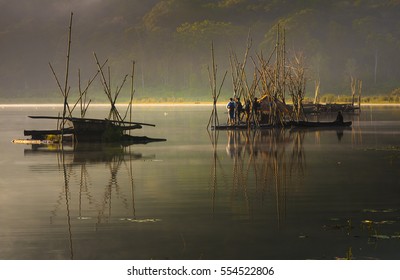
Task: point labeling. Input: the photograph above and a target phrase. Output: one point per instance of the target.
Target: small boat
(307, 124)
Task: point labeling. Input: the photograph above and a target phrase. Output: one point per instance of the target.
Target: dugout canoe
(307, 124)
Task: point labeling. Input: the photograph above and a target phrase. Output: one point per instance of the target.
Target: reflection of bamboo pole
(214, 140)
(132, 184)
(359, 94)
(264, 162)
(66, 193)
(80, 190)
(214, 185)
(298, 157)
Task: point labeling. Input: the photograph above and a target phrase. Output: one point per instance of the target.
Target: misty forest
(170, 42)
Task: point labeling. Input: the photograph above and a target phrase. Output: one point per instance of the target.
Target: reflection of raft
(293, 124)
(89, 152)
(245, 126)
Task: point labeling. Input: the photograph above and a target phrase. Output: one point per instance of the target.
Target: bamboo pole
(132, 91)
(213, 81)
(317, 87)
(83, 94)
(107, 89)
(66, 89)
(353, 89)
(129, 108)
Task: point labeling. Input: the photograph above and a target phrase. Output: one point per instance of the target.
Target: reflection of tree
(298, 157)
(259, 161)
(213, 184)
(112, 186)
(74, 165)
(67, 175)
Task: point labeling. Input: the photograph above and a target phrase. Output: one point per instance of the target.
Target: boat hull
(334, 124)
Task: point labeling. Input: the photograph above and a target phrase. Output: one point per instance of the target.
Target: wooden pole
(66, 90)
(132, 91)
(107, 89)
(213, 78)
(353, 89)
(284, 66)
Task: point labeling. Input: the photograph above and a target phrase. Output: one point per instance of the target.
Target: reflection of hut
(91, 193)
(81, 153)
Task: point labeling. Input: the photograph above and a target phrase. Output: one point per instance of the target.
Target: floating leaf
(143, 220)
(84, 218)
(385, 223)
(380, 236)
(380, 210)
(367, 222)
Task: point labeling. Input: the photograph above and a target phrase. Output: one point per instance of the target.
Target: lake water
(273, 194)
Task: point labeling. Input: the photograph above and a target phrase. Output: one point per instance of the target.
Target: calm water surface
(231, 195)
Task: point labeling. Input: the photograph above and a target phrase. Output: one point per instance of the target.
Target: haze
(170, 42)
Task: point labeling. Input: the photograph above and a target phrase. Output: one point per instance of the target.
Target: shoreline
(183, 104)
(108, 105)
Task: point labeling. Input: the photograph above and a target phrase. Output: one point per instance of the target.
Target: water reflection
(81, 166)
(339, 131)
(261, 164)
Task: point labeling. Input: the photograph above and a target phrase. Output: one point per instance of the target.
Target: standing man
(239, 110)
(231, 106)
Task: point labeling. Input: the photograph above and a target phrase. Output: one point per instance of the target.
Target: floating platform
(42, 134)
(91, 131)
(330, 108)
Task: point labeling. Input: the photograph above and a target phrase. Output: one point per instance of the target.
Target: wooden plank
(89, 119)
(48, 132)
